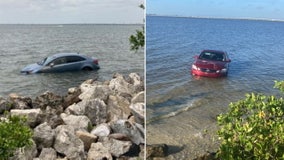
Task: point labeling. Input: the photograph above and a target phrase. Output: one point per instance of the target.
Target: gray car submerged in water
(62, 62)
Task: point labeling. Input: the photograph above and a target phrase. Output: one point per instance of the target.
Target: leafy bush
(13, 134)
(253, 128)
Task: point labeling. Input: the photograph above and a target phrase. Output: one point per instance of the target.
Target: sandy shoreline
(186, 139)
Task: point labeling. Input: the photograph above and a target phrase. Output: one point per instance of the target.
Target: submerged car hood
(210, 64)
(32, 68)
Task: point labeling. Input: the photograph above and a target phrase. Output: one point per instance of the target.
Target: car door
(57, 65)
(74, 63)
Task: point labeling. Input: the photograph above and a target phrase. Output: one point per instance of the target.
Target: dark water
(24, 44)
(179, 105)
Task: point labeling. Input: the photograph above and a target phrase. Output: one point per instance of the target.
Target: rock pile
(95, 121)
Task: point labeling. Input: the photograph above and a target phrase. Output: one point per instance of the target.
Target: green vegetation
(138, 40)
(253, 128)
(14, 134)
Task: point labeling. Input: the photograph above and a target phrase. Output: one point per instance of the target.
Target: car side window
(58, 61)
(71, 59)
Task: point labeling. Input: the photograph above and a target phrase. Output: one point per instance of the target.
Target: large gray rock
(20, 102)
(137, 82)
(117, 108)
(78, 122)
(72, 97)
(119, 85)
(99, 152)
(48, 154)
(87, 138)
(25, 153)
(96, 111)
(48, 99)
(5, 105)
(43, 136)
(134, 131)
(156, 150)
(138, 98)
(68, 144)
(138, 110)
(118, 148)
(76, 108)
(95, 91)
(33, 115)
(102, 130)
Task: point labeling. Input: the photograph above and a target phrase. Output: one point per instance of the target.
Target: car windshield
(42, 61)
(212, 56)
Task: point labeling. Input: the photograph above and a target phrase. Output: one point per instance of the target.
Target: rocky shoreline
(97, 120)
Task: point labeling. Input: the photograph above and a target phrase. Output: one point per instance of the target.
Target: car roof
(65, 54)
(214, 51)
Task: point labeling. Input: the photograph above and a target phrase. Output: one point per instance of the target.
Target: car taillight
(96, 61)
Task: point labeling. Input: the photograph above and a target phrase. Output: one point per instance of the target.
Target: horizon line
(71, 23)
(228, 18)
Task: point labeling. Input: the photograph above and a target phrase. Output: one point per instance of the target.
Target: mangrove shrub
(14, 134)
(253, 128)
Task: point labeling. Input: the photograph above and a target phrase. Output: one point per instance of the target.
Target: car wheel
(87, 69)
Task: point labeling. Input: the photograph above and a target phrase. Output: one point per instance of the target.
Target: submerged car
(211, 63)
(62, 62)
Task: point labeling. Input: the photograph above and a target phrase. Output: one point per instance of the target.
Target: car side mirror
(228, 60)
(196, 56)
(51, 65)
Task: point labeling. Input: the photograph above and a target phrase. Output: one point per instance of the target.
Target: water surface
(182, 109)
(25, 44)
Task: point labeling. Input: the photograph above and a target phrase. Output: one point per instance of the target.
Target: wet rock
(137, 110)
(20, 102)
(102, 130)
(68, 144)
(33, 115)
(99, 152)
(48, 154)
(47, 99)
(43, 136)
(86, 138)
(5, 105)
(134, 131)
(72, 97)
(78, 122)
(156, 150)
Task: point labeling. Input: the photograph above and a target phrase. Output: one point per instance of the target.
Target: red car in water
(211, 63)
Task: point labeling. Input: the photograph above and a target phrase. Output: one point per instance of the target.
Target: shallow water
(25, 44)
(180, 105)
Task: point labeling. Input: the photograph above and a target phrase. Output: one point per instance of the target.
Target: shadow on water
(174, 149)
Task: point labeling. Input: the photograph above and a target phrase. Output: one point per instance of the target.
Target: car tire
(87, 69)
